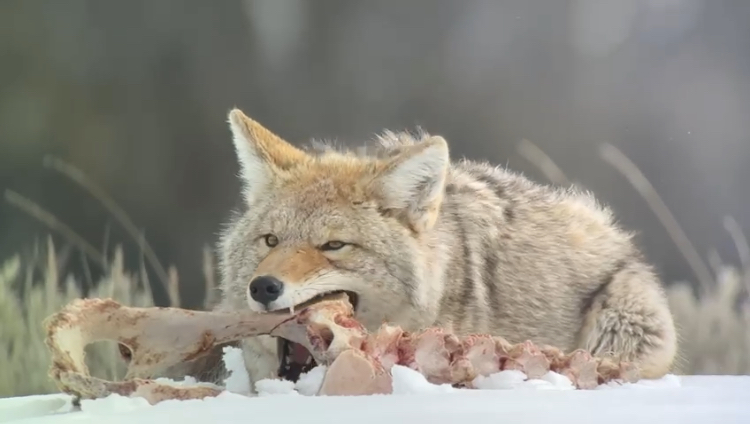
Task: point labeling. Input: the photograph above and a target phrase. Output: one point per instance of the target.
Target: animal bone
(150, 339)
(153, 339)
(335, 338)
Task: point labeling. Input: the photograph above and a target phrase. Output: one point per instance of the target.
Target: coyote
(419, 240)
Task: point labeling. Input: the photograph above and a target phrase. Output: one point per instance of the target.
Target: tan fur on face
(293, 265)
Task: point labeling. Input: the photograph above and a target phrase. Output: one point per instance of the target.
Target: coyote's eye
(333, 245)
(271, 240)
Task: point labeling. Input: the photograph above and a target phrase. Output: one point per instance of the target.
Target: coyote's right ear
(261, 153)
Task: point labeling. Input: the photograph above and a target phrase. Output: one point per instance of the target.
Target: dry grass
(714, 326)
(715, 330)
(32, 288)
(25, 303)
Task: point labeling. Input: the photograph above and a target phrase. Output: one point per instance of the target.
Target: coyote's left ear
(413, 182)
(262, 154)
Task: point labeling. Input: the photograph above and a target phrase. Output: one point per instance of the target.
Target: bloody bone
(153, 339)
(334, 337)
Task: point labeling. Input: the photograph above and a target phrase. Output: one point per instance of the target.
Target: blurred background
(107, 101)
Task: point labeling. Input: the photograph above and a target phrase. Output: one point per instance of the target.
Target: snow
(508, 396)
(407, 381)
(112, 404)
(310, 382)
(238, 380)
(513, 379)
(693, 399)
(269, 387)
(505, 396)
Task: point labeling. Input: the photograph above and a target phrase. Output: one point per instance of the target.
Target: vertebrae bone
(358, 362)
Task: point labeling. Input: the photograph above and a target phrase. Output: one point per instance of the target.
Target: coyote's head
(317, 223)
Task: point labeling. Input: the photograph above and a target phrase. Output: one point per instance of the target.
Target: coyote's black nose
(265, 289)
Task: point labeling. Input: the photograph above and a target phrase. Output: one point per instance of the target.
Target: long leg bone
(151, 339)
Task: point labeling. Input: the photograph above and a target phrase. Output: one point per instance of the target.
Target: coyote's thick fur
(426, 241)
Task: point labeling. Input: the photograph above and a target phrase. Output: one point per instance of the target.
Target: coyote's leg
(261, 359)
(258, 353)
(629, 317)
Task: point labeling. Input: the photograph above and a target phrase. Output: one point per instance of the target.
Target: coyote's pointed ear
(261, 154)
(413, 182)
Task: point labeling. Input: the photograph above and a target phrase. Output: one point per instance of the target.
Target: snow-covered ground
(681, 400)
(505, 397)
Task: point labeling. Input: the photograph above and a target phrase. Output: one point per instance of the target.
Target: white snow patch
(238, 380)
(558, 380)
(274, 386)
(668, 381)
(16, 408)
(517, 380)
(113, 403)
(309, 383)
(503, 380)
(408, 381)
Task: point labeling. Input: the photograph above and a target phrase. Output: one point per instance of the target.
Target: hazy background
(135, 94)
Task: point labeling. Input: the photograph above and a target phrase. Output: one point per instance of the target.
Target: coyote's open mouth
(295, 359)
